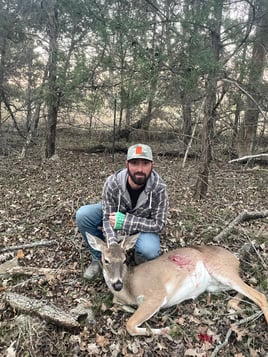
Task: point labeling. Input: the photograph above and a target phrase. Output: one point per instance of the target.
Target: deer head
(113, 259)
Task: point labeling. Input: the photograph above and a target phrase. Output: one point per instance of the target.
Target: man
(134, 200)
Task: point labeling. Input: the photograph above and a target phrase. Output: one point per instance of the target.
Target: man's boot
(92, 270)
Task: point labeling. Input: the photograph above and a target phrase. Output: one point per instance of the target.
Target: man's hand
(117, 220)
(112, 219)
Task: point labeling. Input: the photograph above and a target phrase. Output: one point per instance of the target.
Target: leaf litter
(38, 201)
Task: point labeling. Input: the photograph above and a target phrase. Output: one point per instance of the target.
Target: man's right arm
(109, 205)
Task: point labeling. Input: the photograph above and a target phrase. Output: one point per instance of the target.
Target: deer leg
(255, 296)
(117, 301)
(236, 283)
(235, 301)
(143, 313)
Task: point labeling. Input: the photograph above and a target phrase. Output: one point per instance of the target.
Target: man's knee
(148, 245)
(89, 214)
(151, 254)
(82, 218)
(79, 216)
(89, 219)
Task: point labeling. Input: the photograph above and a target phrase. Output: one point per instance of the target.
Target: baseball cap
(139, 151)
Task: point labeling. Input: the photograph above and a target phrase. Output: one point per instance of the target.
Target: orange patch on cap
(138, 150)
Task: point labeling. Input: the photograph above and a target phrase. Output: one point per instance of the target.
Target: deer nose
(118, 285)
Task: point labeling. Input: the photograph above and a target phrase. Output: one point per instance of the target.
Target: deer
(173, 277)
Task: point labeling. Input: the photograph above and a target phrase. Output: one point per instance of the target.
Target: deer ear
(130, 241)
(95, 242)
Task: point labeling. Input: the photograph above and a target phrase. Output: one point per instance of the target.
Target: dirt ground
(38, 201)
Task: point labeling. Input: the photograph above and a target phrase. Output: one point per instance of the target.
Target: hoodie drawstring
(150, 200)
(119, 201)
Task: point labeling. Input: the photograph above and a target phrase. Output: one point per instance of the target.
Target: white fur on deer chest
(195, 283)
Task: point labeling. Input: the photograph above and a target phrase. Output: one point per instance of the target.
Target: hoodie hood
(152, 181)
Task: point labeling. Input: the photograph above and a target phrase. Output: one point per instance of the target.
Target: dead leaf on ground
(239, 331)
(101, 340)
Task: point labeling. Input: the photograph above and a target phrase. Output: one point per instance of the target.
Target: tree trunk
(52, 100)
(237, 112)
(2, 77)
(238, 102)
(248, 130)
(145, 121)
(3, 149)
(187, 121)
(201, 187)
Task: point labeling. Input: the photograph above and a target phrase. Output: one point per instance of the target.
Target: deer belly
(195, 283)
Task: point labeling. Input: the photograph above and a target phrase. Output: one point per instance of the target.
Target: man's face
(139, 170)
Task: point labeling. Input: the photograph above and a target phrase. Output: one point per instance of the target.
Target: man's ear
(95, 242)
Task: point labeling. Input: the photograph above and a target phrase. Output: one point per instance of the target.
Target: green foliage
(137, 51)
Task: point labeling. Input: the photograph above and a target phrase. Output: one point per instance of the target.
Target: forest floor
(38, 201)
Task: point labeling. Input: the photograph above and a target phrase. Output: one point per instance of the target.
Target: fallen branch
(249, 157)
(29, 245)
(8, 265)
(228, 334)
(242, 217)
(28, 270)
(40, 308)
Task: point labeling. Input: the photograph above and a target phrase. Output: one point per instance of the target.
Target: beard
(139, 178)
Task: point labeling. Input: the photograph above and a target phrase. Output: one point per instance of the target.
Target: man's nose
(140, 167)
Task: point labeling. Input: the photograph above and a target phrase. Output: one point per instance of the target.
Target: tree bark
(41, 309)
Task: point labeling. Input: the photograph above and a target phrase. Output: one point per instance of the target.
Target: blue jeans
(89, 219)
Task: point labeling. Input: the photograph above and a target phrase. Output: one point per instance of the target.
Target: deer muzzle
(118, 285)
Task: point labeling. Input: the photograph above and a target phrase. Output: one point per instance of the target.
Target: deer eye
(106, 261)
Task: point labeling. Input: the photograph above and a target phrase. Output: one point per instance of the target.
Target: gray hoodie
(150, 212)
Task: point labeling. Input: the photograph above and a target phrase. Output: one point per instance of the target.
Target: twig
(29, 245)
(193, 133)
(256, 251)
(228, 334)
(242, 217)
(247, 94)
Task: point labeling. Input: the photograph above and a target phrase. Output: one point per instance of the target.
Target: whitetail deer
(178, 275)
